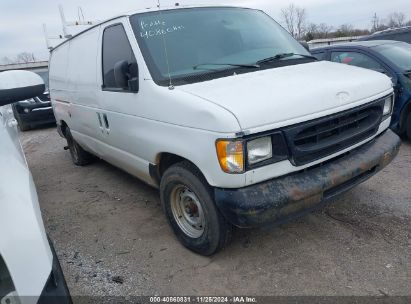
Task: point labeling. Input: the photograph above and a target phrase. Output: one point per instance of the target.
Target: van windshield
(208, 41)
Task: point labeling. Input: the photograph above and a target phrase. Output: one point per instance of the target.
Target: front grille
(322, 137)
(44, 97)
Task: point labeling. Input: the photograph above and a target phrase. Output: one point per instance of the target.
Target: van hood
(289, 95)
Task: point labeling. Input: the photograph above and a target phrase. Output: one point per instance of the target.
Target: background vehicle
(29, 268)
(398, 34)
(223, 111)
(392, 58)
(34, 112)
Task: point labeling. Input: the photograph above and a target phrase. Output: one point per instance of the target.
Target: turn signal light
(231, 156)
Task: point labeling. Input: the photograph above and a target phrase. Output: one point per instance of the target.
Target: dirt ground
(112, 238)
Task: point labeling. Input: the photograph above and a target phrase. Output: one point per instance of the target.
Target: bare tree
(25, 57)
(6, 60)
(311, 32)
(345, 30)
(324, 30)
(295, 19)
(312, 28)
(396, 19)
(288, 16)
(301, 15)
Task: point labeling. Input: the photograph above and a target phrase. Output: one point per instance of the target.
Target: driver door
(118, 117)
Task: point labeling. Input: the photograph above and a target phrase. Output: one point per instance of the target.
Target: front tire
(22, 126)
(79, 156)
(190, 209)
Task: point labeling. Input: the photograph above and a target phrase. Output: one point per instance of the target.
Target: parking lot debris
(118, 279)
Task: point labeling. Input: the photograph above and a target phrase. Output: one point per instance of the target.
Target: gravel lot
(112, 238)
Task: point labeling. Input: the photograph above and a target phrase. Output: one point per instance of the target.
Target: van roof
(147, 10)
(173, 7)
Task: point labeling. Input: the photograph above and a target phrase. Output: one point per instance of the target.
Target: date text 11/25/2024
(203, 300)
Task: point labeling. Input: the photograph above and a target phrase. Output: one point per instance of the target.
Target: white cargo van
(224, 112)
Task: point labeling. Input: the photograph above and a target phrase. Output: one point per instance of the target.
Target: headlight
(388, 105)
(259, 150)
(231, 155)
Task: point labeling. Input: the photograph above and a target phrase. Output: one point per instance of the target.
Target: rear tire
(79, 156)
(408, 126)
(188, 203)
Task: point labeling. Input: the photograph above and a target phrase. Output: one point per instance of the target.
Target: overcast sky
(21, 20)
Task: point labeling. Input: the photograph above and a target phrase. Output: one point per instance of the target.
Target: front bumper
(283, 199)
(55, 290)
(38, 116)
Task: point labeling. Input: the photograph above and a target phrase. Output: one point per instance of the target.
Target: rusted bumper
(283, 199)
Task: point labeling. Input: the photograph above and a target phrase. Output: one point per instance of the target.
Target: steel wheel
(187, 211)
(188, 203)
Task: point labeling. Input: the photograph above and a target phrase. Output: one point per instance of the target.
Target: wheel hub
(187, 212)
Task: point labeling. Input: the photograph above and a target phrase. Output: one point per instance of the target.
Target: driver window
(357, 59)
(116, 48)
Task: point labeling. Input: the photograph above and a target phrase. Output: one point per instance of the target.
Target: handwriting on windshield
(156, 28)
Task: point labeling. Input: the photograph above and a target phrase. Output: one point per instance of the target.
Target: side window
(320, 56)
(406, 37)
(356, 59)
(117, 53)
(386, 37)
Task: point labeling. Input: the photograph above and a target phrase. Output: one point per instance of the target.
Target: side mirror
(19, 85)
(121, 74)
(133, 84)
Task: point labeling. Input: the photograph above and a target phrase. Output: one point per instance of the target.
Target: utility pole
(375, 23)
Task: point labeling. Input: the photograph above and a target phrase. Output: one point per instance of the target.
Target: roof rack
(66, 35)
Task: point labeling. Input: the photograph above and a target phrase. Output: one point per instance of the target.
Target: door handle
(106, 124)
(100, 122)
(103, 123)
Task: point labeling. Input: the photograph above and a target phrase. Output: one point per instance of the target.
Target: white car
(29, 268)
(224, 112)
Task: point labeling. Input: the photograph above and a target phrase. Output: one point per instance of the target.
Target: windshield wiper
(282, 56)
(257, 64)
(227, 64)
